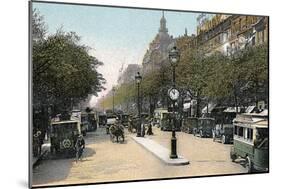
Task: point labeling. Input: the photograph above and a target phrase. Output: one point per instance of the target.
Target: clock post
(174, 95)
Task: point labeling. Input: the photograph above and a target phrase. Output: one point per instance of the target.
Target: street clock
(173, 93)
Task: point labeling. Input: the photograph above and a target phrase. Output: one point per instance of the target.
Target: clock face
(174, 94)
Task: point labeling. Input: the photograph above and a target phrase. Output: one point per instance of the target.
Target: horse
(116, 131)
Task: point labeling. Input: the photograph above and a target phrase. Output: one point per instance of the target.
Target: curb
(159, 151)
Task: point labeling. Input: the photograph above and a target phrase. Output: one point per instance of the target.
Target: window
(250, 134)
(240, 131)
(245, 133)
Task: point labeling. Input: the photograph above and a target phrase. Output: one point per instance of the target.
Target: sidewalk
(159, 151)
(44, 150)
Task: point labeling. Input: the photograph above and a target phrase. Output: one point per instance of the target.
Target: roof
(206, 118)
(252, 119)
(62, 122)
(261, 124)
(263, 113)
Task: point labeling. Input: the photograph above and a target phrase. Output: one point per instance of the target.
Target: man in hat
(79, 146)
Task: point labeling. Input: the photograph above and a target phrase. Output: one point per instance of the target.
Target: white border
(14, 92)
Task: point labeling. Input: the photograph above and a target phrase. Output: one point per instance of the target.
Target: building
(128, 75)
(228, 33)
(157, 53)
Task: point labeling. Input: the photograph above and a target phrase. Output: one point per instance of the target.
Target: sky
(117, 36)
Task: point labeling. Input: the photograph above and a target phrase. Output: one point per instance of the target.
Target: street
(106, 161)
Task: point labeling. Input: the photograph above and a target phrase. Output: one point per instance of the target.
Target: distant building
(157, 53)
(128, 75)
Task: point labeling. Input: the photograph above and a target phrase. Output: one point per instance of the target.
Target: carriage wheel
(249, 164)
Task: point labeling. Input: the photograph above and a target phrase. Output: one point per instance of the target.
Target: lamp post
(138, 79)
(113, 93)
(103, 103)
(174, 57)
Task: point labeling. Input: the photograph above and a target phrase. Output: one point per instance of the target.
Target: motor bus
(251, 141)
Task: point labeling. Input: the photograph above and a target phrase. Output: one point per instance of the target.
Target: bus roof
(261, 124)
(62, 122)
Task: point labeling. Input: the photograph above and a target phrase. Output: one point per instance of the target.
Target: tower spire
(163, 28)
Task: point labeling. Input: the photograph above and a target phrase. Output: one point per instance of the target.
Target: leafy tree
(39, 28)
(63, 72)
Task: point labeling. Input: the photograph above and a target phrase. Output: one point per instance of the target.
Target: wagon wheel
(249, 164)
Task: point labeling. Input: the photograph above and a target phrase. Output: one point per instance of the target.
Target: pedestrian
(149, 130)
(79, 146)
(142, 129)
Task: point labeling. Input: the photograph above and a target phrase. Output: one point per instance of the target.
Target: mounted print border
(128, 94)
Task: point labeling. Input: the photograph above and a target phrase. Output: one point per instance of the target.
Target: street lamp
(138, 79)
(174, 57)
(103, 103)
(113, 93)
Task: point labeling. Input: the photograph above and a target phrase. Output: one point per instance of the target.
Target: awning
(186, 105)
(232, 109)
(210, 108)
(250, 109)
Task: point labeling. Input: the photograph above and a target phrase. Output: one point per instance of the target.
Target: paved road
(107, 161)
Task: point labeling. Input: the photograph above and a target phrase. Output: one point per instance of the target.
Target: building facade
(228, 33)
(157, 53)
(128, 75)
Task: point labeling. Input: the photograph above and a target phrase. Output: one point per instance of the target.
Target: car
(63, 136)
(92, 121)
(84, 124)
(166, 122)
(125, 120)
(188, 124)
(158, 115)
(102, 120)
(224, 133)
(205, 127)
(251, 141)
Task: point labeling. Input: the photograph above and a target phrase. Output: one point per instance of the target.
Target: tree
(39, 28)
(63, 72)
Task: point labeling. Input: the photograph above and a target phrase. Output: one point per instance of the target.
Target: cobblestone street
(105, 161)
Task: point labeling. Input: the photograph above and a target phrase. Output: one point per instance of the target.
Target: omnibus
(251, 141)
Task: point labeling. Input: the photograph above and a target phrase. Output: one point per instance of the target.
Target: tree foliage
(63, 71)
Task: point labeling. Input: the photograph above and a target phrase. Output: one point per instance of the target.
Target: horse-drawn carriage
(116, 131)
